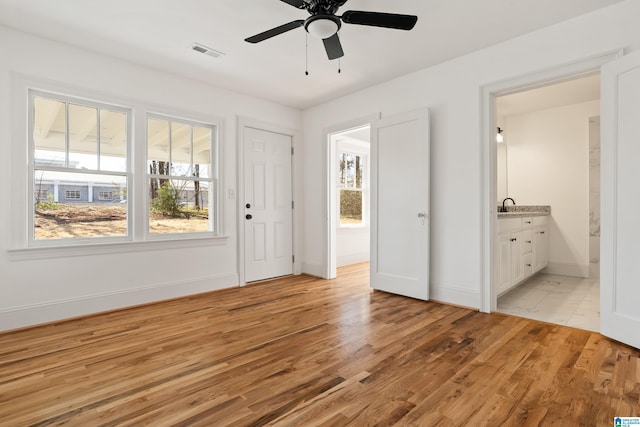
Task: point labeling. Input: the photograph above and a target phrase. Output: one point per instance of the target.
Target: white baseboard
(567, 269)
(352, 258)
(454, 295)
(313, 269)
(51, 311)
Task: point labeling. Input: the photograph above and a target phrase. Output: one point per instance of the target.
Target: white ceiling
(569, 92)
(159, 34)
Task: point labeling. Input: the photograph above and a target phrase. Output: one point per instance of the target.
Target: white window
(352, 186)
(181, 176)
(79, 157)
(105, 195)
(76, 143)
(41, 195)
(72, 194)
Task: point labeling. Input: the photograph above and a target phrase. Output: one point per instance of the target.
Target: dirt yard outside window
(82, 220)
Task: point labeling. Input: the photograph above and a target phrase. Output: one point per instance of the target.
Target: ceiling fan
(324, 23)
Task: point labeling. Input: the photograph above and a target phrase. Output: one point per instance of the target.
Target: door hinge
(292, 151)
(292, 205)
(293, 258)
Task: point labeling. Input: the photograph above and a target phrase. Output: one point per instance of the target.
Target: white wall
(501, 162)
(452, 92)
(352, 245)
(549, 165)
(45, 289)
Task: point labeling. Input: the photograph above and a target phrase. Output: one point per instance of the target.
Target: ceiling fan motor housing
(324, 7)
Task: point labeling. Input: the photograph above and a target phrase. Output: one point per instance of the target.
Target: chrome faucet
(504, 208)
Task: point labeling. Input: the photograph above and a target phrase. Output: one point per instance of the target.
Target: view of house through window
(80, 174)
(180, 177)
(79, 155)
(351, 185)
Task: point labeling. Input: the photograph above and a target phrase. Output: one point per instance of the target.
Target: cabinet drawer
(527, 261)
(508, 225)
(540, 220)
(527, 241)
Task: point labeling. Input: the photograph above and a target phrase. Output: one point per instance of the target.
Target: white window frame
(41, 194)
(23, 247)
(213, 179)
(71, 99)
(101, 195)
(71, 194)
(358, 149)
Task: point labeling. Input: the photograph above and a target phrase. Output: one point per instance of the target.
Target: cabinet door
(504, 255)
(540, 248)
(517, 270)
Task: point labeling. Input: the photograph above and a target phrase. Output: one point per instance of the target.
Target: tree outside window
(180, 176)
(351, 185)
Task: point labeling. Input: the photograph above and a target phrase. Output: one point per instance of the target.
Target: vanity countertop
(521, 214)
(519, 211)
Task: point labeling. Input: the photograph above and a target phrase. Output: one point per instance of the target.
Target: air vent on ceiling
(206, 50)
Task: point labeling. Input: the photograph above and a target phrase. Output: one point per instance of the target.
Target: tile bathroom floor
(564, 300)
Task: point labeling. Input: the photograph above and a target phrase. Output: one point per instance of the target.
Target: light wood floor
(305, 351)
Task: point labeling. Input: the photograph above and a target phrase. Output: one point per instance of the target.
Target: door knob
(248, 216)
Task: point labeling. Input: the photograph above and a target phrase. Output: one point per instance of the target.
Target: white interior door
(620, 205)
(268, 209)
(400, 204)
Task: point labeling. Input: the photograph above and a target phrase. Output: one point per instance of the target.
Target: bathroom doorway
(550, 156)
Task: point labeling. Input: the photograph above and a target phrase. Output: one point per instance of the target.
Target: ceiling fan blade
(380, 19)
(300, 4)
(333, 47)
(275, 31)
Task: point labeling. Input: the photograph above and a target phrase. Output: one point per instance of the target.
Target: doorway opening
(548, 166)
(349, 194)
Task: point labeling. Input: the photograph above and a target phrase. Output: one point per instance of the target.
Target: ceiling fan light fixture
(322, 26)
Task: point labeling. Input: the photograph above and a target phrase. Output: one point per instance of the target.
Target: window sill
(48, 252)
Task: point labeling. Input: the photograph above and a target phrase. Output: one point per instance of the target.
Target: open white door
(620, 230)
(268, 215)
(400, 204)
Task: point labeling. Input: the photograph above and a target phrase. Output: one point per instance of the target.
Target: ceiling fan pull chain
(306, 54)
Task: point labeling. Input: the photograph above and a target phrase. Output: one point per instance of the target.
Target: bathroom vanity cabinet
(523, 249)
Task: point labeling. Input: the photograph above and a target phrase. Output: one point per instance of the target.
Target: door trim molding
(488, 176)
(296, 189)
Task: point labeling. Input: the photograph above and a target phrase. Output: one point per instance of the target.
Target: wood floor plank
(306, 351)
